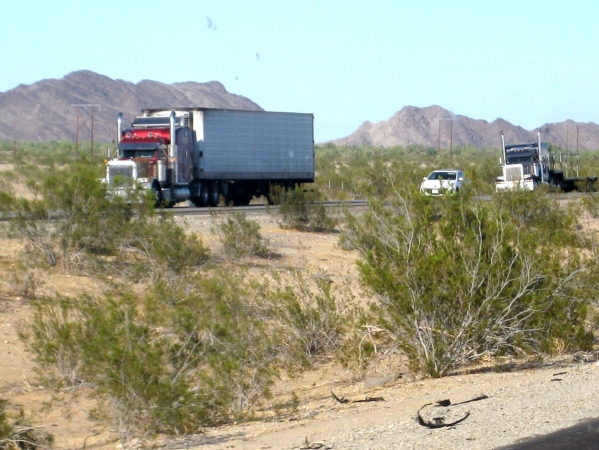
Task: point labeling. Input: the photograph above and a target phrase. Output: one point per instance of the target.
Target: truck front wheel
(157, 196)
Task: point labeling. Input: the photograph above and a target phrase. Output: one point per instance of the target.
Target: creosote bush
(456, 278)
(72, 224)
(302, 209)
(241, 236)
(313, 318)
(187, 356)
(16, 431)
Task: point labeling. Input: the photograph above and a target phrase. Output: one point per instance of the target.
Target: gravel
(521, 404)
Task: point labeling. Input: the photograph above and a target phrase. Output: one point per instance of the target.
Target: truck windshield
(138, 153)
(519, 157)
(153, 122)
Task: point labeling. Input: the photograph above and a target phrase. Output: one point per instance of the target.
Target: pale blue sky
(527, 61)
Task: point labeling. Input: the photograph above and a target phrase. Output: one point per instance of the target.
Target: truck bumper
(514, 185)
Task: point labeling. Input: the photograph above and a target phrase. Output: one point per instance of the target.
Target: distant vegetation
(341, 172)
(182, 339)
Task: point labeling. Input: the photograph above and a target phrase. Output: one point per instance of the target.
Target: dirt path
(520, 405)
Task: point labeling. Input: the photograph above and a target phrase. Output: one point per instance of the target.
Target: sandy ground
(526, 401)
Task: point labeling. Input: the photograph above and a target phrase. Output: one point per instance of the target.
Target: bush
(312, 320)
(25, 282)
(456, 279)
(17, 433)
(71, 223)
(241, 237)
(189, 355)
(302, 210)
(162, 251)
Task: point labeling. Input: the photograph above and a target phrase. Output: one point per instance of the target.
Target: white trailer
(201, 154)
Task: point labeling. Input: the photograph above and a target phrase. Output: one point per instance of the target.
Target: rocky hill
(435, 126)
(44, 111)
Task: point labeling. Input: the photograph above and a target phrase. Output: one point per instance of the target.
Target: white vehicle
(441, 182)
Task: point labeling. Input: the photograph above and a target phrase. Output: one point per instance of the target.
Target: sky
(346, 61)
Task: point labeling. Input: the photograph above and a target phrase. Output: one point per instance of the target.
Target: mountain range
(65, 108)
(435, 127)
(53, 109)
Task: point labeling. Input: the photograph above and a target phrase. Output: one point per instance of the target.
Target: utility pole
(438, 135)
(568, 136)
(85, 105)
(451, 119)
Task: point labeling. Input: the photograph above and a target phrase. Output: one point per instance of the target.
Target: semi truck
(200, 155)
(526, 166)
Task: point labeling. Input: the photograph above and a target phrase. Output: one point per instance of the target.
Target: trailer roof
(201, 108)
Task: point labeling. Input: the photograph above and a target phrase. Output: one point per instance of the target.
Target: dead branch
(369, 399)
(475, 399)
(438, 422)
(340, 400)
(364, 400)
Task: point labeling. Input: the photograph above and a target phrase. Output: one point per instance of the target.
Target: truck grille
(513, 173)
(120, 175)
(144, 169)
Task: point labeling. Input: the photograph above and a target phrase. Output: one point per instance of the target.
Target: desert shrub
(456, 279)
(74, 226)
(24, 281)
(71, 223)
(16, 432)
(47, 153)
(54, 335)
(312, 319)
(163, 250)
(188, 355)
(302, 209)
(241, 237)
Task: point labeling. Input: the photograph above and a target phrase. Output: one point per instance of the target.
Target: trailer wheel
(203, 195)
(213, 193)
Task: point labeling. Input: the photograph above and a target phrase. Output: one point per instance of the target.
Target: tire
(157, 196)
(213, 194)
(203, 196)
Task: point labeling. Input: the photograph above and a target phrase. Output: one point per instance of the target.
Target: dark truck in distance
(200, 154)
(525, 166)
